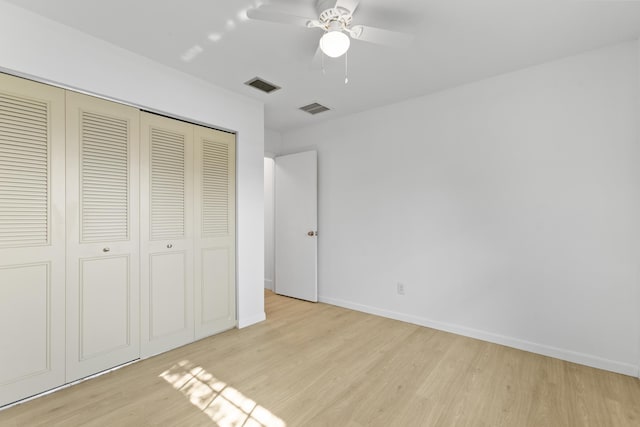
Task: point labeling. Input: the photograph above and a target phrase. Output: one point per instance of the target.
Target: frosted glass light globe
(335, 43)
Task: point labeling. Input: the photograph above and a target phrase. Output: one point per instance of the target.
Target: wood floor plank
(320, 365)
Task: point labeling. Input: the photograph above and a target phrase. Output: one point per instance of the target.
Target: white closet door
(166, 180)
(215, 249)
(103, 307)
(32, 233)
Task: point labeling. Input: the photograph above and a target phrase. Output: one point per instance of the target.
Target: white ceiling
(457, 41)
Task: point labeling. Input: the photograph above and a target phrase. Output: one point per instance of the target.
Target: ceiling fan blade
(350, 5)
(380, 36)
(264, 13)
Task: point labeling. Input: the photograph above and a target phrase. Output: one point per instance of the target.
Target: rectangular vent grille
(262, 85)
(167, 185)
(24, 171)
(104, 191)
(314, 108)
(215, 189)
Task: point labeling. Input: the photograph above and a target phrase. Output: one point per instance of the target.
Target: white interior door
(32, 235)
(103, 309)
(166, 210)
(296, 217)
(215, 236)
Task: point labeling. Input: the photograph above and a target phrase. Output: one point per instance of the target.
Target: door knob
(312, 233)
(106, 250)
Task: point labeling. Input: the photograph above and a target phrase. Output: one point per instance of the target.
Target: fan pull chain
(346, 68)
(322, 62)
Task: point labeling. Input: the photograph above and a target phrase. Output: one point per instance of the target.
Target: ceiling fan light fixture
(334, 43)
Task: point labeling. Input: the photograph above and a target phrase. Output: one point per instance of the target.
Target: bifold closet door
(215, 237)
(32, 234)
(166, 179)
(103, 290)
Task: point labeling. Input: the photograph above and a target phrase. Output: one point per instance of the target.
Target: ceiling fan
(335, 18)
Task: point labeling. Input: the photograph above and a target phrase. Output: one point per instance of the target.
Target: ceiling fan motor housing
(336, 15)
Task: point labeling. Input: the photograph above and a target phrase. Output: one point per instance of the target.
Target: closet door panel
(169, 294)
(215, 293)
(166, 233)
(104, 282)
(25, 290)
(103, 235)
(215, 274)
(32, 233)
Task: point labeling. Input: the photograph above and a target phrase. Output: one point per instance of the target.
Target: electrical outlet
(400, 288)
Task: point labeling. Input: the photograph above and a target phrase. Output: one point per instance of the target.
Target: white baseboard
(251, 320)
(545, 350)
(268, 284)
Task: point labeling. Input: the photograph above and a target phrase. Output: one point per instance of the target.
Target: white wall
(32, 45)
(509, 208)
(638, 288)
(269, 223)
(272, 142)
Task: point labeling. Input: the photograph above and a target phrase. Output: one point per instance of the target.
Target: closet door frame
(61, 336)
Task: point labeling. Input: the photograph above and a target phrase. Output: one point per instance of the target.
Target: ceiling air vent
(314, 108)
(262, 85)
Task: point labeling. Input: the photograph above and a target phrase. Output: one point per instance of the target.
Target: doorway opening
(269, 223)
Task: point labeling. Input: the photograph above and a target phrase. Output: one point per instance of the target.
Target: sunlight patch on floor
(225, 405)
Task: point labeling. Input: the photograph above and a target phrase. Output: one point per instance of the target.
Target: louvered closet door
(215, 242)
(166, 233)
(31, 238)
(103, 309)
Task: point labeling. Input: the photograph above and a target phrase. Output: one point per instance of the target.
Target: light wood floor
(315, 364)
